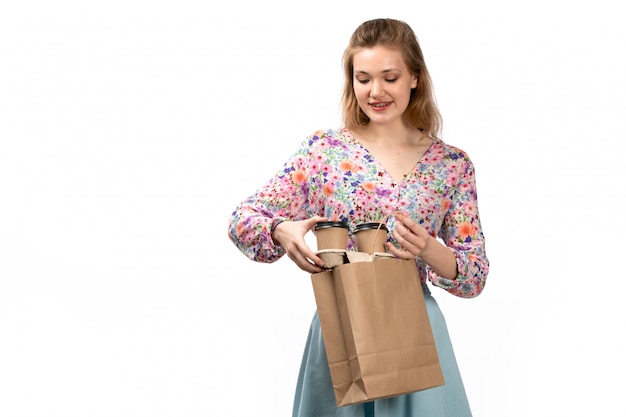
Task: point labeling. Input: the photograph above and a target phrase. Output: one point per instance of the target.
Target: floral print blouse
(334, 176)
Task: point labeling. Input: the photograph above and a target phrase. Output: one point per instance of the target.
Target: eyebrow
(384, 71)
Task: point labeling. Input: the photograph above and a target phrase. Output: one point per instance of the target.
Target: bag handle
(380, 223)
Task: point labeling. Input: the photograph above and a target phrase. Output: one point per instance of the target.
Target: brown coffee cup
(371, 237)
(332, 235)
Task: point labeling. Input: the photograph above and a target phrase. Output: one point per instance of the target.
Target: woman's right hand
(290, 235)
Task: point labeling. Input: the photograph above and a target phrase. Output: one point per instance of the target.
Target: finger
(309, 255)
(404, 214)
(407, 245)
(302, 262)
(313, 269)
(403, 234)
(413, 232)
(408, 240)
(314, 220)
(409, 224)
(305, 258)
(308, 266)
(399, 253)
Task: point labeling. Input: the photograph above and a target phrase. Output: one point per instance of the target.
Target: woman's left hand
(412, 237)
(415, 241)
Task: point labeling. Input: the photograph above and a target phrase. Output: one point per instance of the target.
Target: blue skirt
(315, 396)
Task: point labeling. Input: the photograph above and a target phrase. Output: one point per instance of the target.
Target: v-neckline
(382, 167)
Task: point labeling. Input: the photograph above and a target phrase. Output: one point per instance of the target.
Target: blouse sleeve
(461, 231)
(283, 197)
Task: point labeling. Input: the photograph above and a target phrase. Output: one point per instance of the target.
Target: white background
(130, 130)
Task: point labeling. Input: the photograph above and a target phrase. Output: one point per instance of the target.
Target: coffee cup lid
(324, 225)
(370, 225)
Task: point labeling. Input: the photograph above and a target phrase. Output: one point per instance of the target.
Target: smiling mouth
(380, 105)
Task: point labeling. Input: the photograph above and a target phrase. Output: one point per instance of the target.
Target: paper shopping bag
(376, 331)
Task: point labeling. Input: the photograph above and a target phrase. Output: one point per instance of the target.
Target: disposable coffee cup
(371, 237)
(332, 235)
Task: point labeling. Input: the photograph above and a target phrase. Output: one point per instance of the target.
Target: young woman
(387, 160)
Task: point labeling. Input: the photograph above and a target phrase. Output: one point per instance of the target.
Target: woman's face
(382, 83)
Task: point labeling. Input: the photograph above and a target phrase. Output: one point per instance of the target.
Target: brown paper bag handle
(380, 223)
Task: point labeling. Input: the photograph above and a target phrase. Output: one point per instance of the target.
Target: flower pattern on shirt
(333, 175)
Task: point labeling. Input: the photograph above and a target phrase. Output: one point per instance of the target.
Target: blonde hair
(422, 111)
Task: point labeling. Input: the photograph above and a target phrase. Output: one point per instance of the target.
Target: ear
(413, 81)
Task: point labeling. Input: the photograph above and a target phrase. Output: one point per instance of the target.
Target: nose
(377, 89)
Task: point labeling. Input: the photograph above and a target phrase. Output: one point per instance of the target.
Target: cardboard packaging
(376, 329)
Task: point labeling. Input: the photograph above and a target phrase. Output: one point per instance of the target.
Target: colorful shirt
(334, 176)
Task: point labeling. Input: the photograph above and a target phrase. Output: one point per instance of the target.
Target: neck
(398, 134)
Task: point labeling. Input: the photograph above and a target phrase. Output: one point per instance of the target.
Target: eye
(391, 80)
(365, 81)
